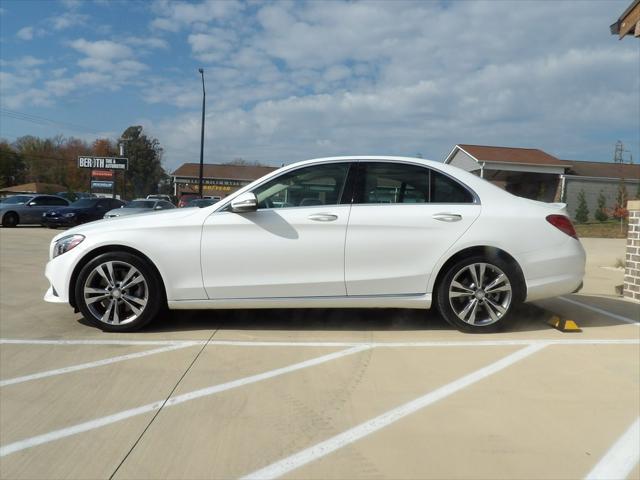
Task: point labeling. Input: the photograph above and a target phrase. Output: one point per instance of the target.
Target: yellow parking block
(563, 324)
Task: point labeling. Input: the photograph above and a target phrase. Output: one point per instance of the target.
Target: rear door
(404, 217)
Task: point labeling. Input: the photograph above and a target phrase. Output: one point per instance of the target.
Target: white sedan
(382, 232)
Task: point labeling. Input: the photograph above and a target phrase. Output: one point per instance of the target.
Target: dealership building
(218, 180)
(535, 174)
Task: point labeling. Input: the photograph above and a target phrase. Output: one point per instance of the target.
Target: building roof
(227, 172)
(524, 156)
(604, 169)
(34, 187)
(629, 20)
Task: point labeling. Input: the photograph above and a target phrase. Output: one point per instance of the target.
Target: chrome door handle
(447, 217)
(323, 217)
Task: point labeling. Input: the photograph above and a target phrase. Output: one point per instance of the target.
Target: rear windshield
(17, 199)
(84, 203)
(141, 204)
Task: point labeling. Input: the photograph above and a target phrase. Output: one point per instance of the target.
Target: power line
(27, 117)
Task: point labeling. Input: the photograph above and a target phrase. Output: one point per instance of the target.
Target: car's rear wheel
(119, 292)
(10, 220)
(477, 295)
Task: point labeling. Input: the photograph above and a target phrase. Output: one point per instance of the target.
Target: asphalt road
(312, 393)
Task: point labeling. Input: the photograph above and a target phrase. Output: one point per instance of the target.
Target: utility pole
(202, 134)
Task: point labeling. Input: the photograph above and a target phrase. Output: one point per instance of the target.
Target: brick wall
(632, 259)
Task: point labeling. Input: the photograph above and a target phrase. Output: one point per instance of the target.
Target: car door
(102, 206)
(35, 208)
(404, 217)
(291, 246)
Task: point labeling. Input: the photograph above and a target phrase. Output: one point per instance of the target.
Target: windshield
(17, 199)
(141, 204)
(84, 203)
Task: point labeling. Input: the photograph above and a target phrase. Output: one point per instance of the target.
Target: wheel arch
(90, 255)
(488, 252)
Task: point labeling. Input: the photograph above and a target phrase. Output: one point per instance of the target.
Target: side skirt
(419, 301)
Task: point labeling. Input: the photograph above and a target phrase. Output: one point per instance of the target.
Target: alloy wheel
(116, 292)
(480, 294)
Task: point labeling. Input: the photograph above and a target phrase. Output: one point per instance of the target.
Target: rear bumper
(554, 272)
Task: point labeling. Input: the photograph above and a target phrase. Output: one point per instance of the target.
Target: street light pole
(202, 134)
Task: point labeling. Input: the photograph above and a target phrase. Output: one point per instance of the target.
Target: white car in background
(140, 205)
(388, 232)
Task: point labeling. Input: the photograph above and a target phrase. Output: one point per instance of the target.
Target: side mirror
(31, 204)
(247, 202)
(159, 207)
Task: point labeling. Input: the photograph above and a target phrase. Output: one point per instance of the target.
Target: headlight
(70, 214)
(67, 243)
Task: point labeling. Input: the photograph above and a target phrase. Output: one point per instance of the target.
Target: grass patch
(608, 229)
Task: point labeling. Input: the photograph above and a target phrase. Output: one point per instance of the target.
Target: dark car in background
(27, 209)
(82, 211)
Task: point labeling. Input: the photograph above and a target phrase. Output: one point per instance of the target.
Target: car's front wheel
(477, 295)
(10, 220)
(119, 292)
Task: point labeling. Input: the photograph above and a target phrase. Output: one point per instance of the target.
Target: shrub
(582, 212)
(601, 213)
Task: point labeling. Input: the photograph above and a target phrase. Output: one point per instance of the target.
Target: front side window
(304, 187)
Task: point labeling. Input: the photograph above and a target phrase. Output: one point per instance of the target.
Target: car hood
(63, 210)
(167, 217)
(130, 211)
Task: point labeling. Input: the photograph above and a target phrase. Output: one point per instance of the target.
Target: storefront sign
(101, 184)
(111, 163)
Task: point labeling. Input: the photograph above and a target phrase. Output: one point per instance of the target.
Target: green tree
(12, 167)
(601, 213)
(582, 212)
(145, 161)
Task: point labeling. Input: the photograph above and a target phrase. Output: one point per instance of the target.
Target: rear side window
(447, 190)
(392, 183)
(380, 183)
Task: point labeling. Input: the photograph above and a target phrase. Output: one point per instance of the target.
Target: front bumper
(59, 221)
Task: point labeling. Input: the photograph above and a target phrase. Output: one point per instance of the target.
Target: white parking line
(97, 363)
(600, 310)
(27, 341)
(249, 343)
(621, 458)
(341, 440)
(150, 407)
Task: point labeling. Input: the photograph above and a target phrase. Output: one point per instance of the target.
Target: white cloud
(105, 50)
(147, 42)
(67, 20)
(25, 33)
(175, 15)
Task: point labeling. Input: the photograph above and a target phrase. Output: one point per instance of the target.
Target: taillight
(563, 223)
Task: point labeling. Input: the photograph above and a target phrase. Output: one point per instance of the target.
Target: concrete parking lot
(316, 393)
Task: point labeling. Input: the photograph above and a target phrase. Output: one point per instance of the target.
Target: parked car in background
(213, 197)
(186, 198)
(141, 205)
(166, 198)
(81, 211)
(27, 209)
(201, 202)
(381, 232)
(73, 196)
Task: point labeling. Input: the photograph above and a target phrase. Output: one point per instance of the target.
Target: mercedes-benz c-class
(379, 232)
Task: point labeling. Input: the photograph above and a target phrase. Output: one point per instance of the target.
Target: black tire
(127, 303)
(10, 220)
(485, 314)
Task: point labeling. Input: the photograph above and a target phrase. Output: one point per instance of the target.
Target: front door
(404, 218)
(292, 246)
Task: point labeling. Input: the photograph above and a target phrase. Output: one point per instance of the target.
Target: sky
(288, 81)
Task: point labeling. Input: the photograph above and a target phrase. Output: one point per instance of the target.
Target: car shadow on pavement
(526, 317)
